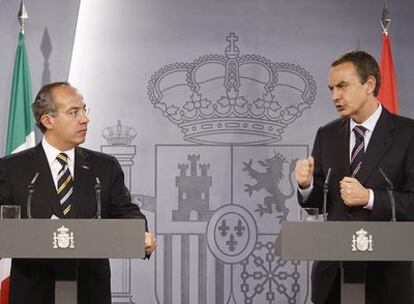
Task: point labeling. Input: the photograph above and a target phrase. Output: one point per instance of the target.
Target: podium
(347, 241)
(71, 239)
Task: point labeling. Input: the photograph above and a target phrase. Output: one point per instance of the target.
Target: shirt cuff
(370, 204)
(305, 192)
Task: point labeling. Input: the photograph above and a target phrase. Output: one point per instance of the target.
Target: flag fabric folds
(4, 292)
(388, 91)
(20, 132)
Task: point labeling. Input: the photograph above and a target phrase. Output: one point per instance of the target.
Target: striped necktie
(358, 151)
(65, 184)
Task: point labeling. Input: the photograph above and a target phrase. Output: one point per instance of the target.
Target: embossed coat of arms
(220, 198)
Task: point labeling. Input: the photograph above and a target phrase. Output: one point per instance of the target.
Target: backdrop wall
(206, 104)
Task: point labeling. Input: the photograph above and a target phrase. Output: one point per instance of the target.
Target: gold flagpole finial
(385, 19)
(22, 16)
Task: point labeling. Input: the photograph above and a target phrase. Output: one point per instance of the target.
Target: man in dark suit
(366, 137)
(65, 188)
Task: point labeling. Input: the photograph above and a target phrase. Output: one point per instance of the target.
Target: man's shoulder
(401, 125)
(334, 125)
(19, 156)
(402, 120)
(96, 155)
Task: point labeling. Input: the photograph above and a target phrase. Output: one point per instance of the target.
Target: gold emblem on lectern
(361, 241)
(63, 239)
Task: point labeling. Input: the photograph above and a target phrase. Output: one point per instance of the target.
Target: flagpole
(385, 20)
(22, 16)
(20, 130)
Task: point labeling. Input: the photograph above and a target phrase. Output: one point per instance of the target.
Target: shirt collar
(51, 152)
(371, 122)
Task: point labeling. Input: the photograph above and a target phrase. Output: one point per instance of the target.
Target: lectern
(347, 241)
(71, 239)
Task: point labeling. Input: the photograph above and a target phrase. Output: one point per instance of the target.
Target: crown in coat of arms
(232, 99)
(119, 135)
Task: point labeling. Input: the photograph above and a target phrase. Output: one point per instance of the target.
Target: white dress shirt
(54, 164)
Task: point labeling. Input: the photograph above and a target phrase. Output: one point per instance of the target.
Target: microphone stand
(98, 199)
(325, 194)
(30, 189)
(390, 191)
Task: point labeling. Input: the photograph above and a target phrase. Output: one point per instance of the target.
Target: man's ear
(47, 121)
(371, 83)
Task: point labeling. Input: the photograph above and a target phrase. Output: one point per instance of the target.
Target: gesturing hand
(353, 193)
(304, 172)
(150, 243)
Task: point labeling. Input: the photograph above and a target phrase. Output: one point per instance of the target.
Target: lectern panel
(72, 238)
(347, 241)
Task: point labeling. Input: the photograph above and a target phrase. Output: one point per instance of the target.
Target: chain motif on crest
(265, 273)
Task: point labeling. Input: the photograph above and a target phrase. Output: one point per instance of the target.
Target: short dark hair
(44, 103)
(365, 66)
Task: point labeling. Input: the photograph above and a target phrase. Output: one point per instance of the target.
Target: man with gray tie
(365, 138)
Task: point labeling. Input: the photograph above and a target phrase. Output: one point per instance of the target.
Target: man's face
(350, 96)
(68, 126)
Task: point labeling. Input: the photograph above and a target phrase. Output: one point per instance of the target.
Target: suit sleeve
(5, 192)
(315, 198)
(121, 205)
(402, 176)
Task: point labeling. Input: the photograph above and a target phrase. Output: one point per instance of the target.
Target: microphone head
(35, 178)
(328, 176)
(98, 184)
(32, 183)
(31, 189)
(387, 180)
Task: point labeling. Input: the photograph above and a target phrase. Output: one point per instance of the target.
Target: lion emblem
(270, 180)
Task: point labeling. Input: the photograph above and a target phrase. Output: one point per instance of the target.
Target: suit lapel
(44, 184)
(379, 144)
(83, 177)
(341, 148)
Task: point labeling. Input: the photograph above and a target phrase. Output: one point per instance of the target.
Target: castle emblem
(193, 192)
(63, 239)
(232, 99)
(361, 241)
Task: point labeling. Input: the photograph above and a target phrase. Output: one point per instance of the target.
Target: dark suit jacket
(32, 281)
(391, 148)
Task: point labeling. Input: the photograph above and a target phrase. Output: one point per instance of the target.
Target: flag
(388, 90)
(20, 130)
(4, 292)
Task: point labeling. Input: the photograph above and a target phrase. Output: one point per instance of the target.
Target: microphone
(30, 189)
(98, 198)
(325, 194)
(389, 188)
